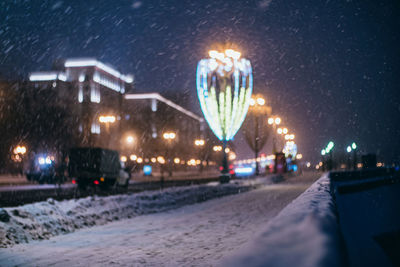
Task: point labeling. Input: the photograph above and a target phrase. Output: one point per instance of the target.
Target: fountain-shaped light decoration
(224, 87)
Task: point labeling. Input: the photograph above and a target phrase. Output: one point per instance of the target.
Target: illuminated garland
(224, 88)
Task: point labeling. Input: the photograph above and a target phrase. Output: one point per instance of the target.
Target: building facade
(89, 89)
(102, 111)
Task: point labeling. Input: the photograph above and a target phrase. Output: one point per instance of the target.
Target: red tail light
(221, 168)
(96, 182)
(73, 182)
(232, 172)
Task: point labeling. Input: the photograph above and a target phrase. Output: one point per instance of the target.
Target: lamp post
(255, 127)
(19, 152)
(274, 122)
(354, 147)
(348, 149)
(224, 84)
(169, 137)
(328, 150)
(323, 153)
(107, 120)
(199, 143)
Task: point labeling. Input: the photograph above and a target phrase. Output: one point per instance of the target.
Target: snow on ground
(305, 233)
(45, 219)
(193, 235)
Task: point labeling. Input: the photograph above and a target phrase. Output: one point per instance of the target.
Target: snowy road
(199, 234)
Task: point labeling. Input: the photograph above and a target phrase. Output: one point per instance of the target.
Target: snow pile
(42, 220)
(305, 233)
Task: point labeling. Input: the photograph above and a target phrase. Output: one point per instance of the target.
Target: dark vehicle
(44, 169)
(96, 166)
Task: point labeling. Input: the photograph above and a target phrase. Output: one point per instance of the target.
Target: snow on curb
(305, 233)
(42, 220)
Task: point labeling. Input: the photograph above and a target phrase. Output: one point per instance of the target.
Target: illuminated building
(103, 111)
(89, 89)
(150, 115)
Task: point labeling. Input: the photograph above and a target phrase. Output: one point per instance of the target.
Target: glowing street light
(261, 101)
(169, 136)
(289, 137)
(20, 150)
(255, 129)
(274, 121)
(199, 142)
(328, 150)
(161, 160)
(353, 148)
(353, 145)
(224, 87)
(282, 131)
(130, 139)
(329, 147)
(107, 119)
(217, 148)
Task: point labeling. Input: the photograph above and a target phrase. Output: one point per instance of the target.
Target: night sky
(329, 68)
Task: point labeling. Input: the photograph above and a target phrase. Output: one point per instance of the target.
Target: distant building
(150, 115)
(90, 89)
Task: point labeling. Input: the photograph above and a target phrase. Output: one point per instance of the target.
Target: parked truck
(97, 167)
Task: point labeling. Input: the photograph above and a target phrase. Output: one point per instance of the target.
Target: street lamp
(282, 131)
(199, 143)
(19, 152)
(274, 121)
(217, 148)
(107, 120)
(289, 137)
(224, 84)
(328, 150)
(169, 137)
(255, 127)
(130, 139)
(353, 148)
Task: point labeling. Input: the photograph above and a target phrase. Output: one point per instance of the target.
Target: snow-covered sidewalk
(42, 220)
(305, 233)
(199, 234)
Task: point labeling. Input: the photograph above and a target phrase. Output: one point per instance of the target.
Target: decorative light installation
(224, 87)
(290, 148)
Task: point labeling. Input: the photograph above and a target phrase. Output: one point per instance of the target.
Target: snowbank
(42, 220)
(305, 233)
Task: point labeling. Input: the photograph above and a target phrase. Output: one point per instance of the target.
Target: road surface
(199, 234)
